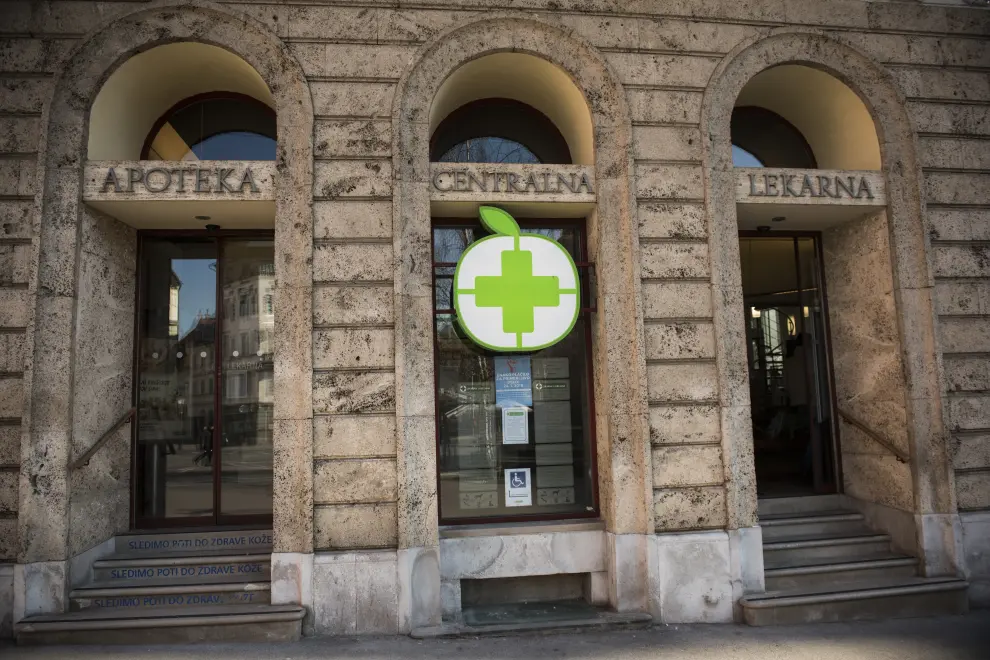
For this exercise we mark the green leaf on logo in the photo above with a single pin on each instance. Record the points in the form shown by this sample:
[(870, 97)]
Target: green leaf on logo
[(498, 221)]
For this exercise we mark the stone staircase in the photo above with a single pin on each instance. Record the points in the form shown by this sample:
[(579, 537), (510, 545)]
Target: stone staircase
[(173, 588), (823, 563)]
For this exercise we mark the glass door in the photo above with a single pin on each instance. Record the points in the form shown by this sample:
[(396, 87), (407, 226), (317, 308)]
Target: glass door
[(789, 375), (203, 441)]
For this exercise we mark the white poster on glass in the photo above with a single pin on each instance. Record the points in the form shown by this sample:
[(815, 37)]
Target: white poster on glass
[(515, 426)]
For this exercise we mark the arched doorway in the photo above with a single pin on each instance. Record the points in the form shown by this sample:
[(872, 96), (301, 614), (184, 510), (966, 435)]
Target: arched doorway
[(203, 354), (106, 100), (895, 475), (580, 98)]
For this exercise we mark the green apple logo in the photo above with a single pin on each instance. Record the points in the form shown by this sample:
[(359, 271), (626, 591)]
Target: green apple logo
[(515, 291)]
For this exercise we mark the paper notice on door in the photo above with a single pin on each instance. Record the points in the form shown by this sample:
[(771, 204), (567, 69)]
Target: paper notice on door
[(515, 426), (518, 487)]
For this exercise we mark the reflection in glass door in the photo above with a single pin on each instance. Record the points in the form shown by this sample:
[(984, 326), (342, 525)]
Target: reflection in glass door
[(789, 375), (203, 441)]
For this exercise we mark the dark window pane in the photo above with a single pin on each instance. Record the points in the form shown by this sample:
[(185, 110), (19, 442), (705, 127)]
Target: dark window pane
[(498, 131), (550, 421), (769, 139), (230, 127), (489, 150)]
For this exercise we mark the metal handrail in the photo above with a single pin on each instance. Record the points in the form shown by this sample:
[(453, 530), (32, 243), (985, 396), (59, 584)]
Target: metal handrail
[(875, 436), (88, 454)]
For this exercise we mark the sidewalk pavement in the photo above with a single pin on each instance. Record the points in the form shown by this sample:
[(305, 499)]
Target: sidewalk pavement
[(942, 638)]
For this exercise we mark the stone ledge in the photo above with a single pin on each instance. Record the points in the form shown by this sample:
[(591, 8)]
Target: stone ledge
[(604, 621)]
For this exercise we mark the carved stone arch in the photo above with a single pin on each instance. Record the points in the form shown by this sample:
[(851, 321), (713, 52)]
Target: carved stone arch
[(933, 492), (619, 356), (47, 441)]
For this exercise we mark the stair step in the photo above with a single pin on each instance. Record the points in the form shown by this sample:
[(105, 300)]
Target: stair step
[(126, 598), (229, 541), (838, 523), (879, 599), (768, 506), (837, 548), (823, 574), (182, 569), (168, 625)]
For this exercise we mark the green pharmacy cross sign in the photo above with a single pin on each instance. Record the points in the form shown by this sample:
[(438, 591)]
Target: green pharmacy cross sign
[(515, 291)]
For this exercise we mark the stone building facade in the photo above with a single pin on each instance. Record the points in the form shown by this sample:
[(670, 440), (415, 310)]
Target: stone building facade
[(892, 100)]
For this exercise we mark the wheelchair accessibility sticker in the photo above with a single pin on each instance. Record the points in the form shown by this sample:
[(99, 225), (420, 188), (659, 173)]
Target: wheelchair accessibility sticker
[(518, 487)]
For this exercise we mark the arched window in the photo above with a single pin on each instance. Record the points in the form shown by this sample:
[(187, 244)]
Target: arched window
[(498, 131), (213, 127), (761, 138)]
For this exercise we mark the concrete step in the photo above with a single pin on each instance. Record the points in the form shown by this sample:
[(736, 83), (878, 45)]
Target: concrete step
[(819, 575), (770, 506), (129, 598), (122, 571), (789, 526), (885, 599), (227, 541), (237, 623), (795, 552)]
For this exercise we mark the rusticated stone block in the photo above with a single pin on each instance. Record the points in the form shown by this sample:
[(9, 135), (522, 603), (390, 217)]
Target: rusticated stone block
[(352, 99), (351, 436), (967, 373), (25, 95), (12, 353), (684, 424), (949, 224), (11, 397), (352, 178), (962, 260), (689, 508), (674, 260), (8, 539), (679, 341), (8, 491), (682, 381), (969, 412), (656, 69), (368, 60), (948, 118), (354, 481), (671, 220), (339, 348), (971, 451), (353, 391), (347, 526), (362, 138), (943, 84), (660, 106), (349, 219), (352, 305), (667, 143), (677, 300), (973, 490), (964, 335), (699, 465), (352, 262), (669, 182)]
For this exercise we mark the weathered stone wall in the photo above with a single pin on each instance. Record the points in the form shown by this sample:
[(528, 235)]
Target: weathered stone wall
[(99, 493), (664, 55), (866, 359)]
